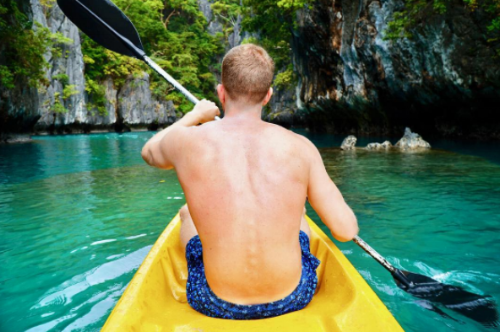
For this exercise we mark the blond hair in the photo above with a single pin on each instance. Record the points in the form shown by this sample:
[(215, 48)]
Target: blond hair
[(247, 72)]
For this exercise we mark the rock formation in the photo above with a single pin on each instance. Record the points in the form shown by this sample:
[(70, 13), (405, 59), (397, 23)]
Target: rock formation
[(349, 143), (412, 141), (379, 146), (68, 65), (351, 77), (48, 109), (137, 109), (444, 79)]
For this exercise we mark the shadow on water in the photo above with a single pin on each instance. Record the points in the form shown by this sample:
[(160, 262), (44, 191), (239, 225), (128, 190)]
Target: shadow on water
[(480, 308)]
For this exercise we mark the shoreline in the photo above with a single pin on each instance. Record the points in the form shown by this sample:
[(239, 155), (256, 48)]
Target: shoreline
[(18, 138)]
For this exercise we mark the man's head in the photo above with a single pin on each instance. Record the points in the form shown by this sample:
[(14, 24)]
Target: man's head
[(247, 74)]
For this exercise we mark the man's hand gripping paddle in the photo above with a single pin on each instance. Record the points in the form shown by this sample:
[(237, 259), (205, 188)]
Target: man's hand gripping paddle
[(106, 24)]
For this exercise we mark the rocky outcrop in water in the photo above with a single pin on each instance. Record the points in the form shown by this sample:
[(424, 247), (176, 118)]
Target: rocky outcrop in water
[(379, 146), (411, 141), (349, 143), (445, 79)]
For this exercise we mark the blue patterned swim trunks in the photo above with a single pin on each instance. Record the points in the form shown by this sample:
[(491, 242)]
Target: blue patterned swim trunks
[(202, 299)]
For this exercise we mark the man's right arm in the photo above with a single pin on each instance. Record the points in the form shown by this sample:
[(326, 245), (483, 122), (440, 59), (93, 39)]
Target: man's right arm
[(161, 150), (327, 201)]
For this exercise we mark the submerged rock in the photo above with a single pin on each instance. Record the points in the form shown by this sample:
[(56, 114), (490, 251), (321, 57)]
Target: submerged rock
[(411, 141), (349, 143)]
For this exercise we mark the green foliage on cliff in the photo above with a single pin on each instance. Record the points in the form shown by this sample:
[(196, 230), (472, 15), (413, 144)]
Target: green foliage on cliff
[(23, 44), (98, 96), (273, 21), (174, 35), (227, 12), (417, 11), (68, 91), (285, 79)]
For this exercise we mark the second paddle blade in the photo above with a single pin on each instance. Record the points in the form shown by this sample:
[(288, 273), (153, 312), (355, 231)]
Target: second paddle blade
[(96, 17), (477, 307)]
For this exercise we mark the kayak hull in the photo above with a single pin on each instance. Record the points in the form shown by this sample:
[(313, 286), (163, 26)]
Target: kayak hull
[(155, 299)]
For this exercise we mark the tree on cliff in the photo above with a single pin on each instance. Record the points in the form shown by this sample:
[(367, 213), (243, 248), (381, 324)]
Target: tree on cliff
[(174, 34), (23, 44)]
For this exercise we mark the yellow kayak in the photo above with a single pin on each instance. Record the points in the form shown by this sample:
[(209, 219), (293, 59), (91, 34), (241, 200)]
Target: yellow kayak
[(155, 299)]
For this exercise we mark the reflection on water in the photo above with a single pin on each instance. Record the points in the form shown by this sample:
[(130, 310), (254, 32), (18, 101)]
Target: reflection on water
[(79, 213)]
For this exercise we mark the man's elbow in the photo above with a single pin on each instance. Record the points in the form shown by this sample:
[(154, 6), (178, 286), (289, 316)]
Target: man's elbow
[(146, 155), (347, 235), (349, 231)]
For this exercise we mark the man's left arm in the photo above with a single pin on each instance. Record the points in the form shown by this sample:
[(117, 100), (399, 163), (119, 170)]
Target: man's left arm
[(161, 150)]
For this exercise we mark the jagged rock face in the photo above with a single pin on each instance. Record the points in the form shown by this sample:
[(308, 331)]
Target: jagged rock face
[(215, 26), (108, 119), (18, 109), (379, 146), (24, 109), (136, 107), (443, 77), (69, 63), (282, 108), (349, 143), (18, 106), (411, 141)]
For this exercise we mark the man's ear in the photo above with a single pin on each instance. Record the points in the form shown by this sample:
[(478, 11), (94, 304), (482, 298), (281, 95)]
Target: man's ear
[(221, 92), (268, 96)]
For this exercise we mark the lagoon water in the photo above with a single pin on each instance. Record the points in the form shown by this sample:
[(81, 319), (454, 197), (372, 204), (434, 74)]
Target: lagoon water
[(78, 214)]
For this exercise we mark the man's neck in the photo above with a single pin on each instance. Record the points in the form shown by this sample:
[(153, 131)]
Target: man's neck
[(242, 111)]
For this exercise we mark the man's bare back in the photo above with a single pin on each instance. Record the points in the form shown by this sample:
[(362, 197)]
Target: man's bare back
[(246, 185), (246, 182)]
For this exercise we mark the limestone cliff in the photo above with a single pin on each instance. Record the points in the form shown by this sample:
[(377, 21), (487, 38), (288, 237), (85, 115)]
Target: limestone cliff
[(50, 109), (444, 80)]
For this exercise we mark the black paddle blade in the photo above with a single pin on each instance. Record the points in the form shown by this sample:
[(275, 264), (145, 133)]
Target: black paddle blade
[(106, 24), (477, 307)]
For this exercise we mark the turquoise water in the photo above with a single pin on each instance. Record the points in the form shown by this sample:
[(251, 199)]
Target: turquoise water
[(79, 213)]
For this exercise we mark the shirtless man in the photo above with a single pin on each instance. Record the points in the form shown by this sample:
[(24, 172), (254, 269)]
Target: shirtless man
[(245, 183)]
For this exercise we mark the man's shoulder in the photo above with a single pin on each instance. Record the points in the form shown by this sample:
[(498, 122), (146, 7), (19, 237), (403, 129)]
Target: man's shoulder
[(291, 142), (297, 139)]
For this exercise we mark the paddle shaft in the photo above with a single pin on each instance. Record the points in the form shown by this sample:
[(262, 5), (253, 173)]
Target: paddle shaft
[(396, 273), (140, 54), (360, 242), (170, 79)]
